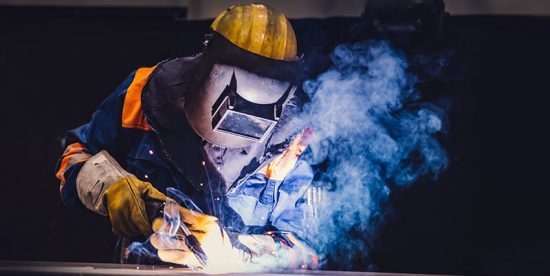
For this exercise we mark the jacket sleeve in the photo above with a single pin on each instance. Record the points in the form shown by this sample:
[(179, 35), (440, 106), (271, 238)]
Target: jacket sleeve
[(291, 209), (275, 195), (289, 220), (101, 133)]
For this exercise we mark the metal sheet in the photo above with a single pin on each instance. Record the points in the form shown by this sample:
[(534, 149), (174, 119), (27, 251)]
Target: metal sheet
[(66, 268)]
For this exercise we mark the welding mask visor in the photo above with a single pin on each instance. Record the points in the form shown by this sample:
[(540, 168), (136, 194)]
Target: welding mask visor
[(242, 95), (249, 110)]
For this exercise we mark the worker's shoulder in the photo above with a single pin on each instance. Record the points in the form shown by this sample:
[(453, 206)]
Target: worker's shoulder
[(154, 81), (174, 71), (132, 110)]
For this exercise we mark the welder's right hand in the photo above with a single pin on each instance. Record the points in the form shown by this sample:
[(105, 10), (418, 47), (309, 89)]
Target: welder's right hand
[(169, 239), (125, 204), (104, 187)]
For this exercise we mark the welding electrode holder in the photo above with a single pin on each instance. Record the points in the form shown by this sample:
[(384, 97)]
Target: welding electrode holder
[(155, 209)]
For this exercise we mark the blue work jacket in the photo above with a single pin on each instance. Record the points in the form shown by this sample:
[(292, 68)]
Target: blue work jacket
[(119, 126)]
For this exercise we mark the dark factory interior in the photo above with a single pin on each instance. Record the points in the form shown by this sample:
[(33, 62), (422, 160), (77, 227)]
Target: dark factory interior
[(484, 213)]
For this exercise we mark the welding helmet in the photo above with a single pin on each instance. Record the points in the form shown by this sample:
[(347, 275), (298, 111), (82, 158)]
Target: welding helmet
[(248, 73)]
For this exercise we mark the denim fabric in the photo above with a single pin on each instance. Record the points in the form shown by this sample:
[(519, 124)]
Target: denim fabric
[(258, 201), (261, 201)]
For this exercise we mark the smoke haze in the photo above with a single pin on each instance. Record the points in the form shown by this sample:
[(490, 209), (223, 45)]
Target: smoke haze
[(372, 134)]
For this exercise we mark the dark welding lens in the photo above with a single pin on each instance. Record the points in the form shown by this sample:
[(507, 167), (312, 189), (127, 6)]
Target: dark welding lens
[(245, 125)]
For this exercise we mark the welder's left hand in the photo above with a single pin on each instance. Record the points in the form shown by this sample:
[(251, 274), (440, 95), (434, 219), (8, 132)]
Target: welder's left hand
[(279, 250), (212, 237)]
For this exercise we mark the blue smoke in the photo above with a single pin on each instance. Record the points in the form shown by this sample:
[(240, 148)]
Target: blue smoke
[(372, 134)]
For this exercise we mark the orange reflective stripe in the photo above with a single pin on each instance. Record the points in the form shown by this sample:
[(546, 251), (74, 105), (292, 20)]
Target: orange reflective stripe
[(75, 146), (72, 151), (132, 111), (69, 161), (279, 167), (74, 154)]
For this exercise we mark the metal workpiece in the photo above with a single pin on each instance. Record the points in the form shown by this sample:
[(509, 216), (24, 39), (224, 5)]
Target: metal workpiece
[(67, 268)]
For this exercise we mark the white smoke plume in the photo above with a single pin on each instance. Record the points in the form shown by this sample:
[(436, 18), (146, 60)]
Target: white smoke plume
[(373, 133)]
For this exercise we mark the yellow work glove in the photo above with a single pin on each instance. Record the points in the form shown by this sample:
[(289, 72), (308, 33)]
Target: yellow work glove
[(214, 241), (125, 204)]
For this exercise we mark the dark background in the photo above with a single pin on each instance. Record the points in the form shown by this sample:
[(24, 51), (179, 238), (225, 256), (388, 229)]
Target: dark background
[(486, 214)]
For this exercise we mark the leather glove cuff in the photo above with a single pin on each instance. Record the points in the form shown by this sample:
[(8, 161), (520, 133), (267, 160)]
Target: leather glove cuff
[(96, 176)]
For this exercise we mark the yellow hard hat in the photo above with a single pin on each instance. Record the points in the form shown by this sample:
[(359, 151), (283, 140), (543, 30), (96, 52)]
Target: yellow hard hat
[(258, 29)]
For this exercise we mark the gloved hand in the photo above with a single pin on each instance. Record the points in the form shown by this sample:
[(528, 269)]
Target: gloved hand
[(104, 187), (170, 242), (279, 250), (124, 201)]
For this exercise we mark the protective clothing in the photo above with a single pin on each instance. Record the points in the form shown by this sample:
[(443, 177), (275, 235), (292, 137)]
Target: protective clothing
[(151, 126), (244, 82), (257, 29), (99, 173), (155, 143), (280, 167), (169, 240), (107, 189), (280, 249), (125, 202)]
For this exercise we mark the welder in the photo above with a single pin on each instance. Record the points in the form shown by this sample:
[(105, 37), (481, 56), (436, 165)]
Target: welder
[(220, 127)]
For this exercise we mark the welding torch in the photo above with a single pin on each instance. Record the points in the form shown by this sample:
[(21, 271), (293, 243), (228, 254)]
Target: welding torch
[(155, 209), (194, 245)]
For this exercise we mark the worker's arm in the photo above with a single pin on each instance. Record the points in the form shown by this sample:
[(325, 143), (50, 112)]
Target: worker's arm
[(282, 205), (281, 248), (89, 171), (286, 247), (273, 197), (101, 133)]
